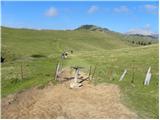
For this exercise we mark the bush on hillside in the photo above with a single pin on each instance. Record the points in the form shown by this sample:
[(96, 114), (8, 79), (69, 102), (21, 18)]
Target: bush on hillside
[(37, 56), (7, 54)]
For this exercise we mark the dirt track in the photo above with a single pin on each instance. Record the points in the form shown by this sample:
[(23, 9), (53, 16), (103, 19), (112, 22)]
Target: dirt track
[(101, 101)]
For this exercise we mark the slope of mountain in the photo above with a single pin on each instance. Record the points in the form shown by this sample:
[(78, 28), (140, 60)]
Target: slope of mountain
[(27, 42)]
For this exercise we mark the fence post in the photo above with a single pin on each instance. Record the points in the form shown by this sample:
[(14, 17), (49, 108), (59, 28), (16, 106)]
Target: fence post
[(90, 70), (148, 77), (133, 72), (123, 75), (61, 64), (111, 74), (94, 72), (22, 72), (57, 70)]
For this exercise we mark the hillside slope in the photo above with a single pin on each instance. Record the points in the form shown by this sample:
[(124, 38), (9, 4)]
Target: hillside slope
[(27, 42), (110, 64), (110, 52)]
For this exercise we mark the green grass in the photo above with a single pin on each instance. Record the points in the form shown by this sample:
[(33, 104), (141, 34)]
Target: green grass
[(38, 52), (141, 99), (35, 72)]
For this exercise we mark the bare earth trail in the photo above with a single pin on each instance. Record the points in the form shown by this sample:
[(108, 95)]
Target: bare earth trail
[(59, 101)]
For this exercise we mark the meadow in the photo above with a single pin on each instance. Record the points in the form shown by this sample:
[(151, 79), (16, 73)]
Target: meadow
[(35, 54)]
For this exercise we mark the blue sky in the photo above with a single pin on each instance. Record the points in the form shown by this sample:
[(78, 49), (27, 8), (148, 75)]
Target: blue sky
[(117, 16)]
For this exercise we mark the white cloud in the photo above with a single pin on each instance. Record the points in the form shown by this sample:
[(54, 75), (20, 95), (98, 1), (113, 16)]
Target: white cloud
[(140, 31), (51, 12), (93, 9), (151, 8), (121, 9), (143, 31)]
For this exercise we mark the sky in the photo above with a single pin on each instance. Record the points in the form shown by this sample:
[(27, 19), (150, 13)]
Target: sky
[(119, 16)]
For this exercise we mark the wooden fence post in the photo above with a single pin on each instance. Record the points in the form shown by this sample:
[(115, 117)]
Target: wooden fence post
[(133, 72), (57, 70), (94, 72), (111, 74), (90, 70), (22, 72), (61, 64)]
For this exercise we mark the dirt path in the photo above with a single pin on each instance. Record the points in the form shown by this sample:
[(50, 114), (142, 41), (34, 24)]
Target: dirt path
[(101, 101)]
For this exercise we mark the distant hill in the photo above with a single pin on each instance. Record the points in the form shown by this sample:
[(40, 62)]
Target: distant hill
[(92, 28), (141, 39), (133, 38), (153, 36)]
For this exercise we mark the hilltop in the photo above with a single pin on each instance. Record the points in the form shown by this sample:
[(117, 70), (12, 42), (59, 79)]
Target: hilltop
[(92, 28)]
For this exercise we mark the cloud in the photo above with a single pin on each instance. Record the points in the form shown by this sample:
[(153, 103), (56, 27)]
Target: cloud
[(143, 31), (51, 12), (150, 7), (121, 9), (93, 9), (153, 9)]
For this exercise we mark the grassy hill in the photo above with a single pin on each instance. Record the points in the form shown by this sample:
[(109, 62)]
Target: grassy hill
[(135, 39), (27, 42), (48, 42), (36, 53)]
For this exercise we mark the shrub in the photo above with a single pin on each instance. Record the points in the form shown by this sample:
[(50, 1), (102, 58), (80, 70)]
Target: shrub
[(37, 56), (7, 54), (149, 43)]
